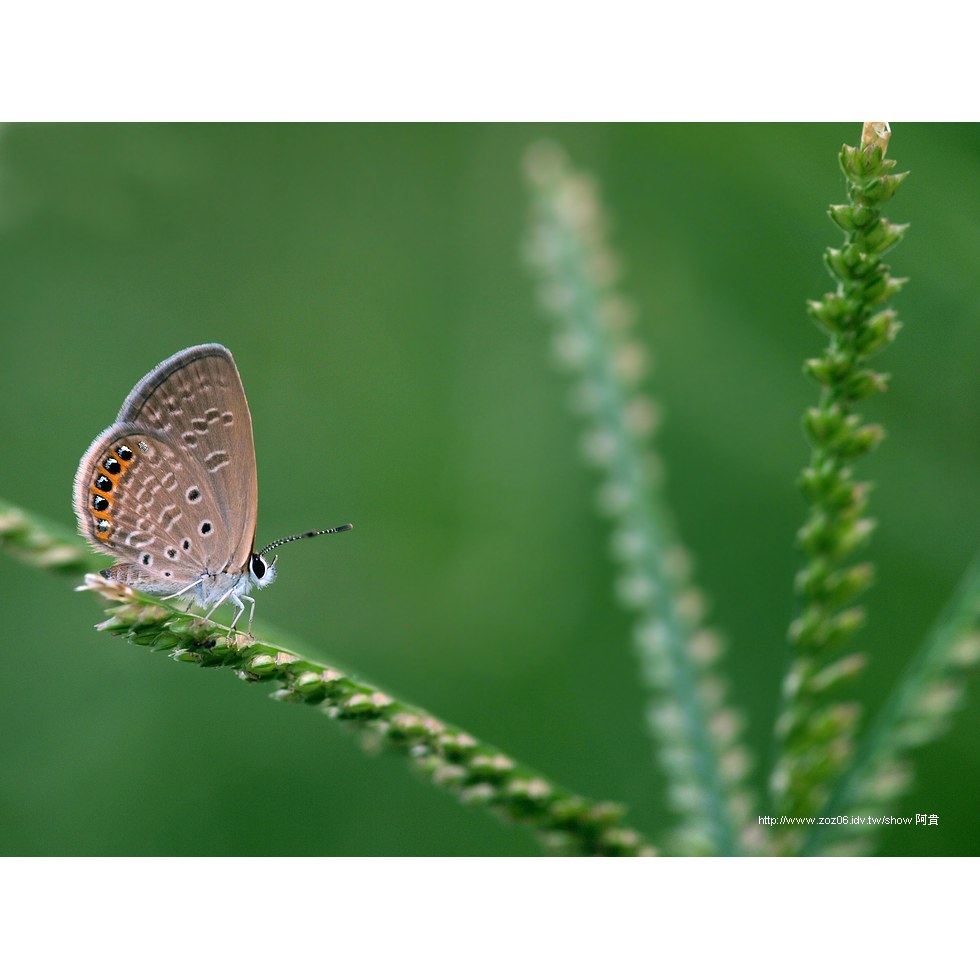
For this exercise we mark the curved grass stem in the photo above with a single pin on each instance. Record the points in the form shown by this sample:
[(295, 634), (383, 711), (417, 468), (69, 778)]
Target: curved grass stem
[(445, 755)]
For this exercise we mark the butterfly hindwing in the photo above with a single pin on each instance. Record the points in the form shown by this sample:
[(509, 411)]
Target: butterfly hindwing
[(139, 501)]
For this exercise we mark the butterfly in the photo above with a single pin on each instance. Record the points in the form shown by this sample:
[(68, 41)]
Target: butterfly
[(170, 489)]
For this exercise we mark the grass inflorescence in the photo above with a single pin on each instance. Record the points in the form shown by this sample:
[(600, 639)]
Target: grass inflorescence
[(817, 725)]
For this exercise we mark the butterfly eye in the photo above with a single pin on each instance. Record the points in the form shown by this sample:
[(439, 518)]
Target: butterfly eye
[(258, 566)]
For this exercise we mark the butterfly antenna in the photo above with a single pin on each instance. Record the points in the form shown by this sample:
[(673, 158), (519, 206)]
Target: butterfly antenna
[(307, 534)]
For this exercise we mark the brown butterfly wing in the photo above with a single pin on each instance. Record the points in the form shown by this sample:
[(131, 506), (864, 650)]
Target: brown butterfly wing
[(150, 508), (170, 489)]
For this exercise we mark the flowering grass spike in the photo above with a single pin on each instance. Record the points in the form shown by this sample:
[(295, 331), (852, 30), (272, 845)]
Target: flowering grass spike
[(815, 728), (698, 735)]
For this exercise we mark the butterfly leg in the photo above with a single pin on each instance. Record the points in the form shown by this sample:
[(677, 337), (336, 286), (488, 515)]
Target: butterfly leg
[(186, 588), (251, 612), (237, 600), (228, 595)]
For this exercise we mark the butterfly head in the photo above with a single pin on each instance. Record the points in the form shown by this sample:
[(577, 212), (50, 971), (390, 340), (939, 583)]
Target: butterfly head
[(260, 571)]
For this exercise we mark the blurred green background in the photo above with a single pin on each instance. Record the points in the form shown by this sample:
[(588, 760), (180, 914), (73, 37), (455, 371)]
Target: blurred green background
[(368, 279)]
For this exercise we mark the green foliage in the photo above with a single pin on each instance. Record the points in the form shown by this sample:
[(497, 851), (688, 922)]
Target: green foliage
[(365, 277), (816, 729)]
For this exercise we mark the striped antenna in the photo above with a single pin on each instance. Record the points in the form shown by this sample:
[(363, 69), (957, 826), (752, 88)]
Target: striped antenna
[(307, 534)]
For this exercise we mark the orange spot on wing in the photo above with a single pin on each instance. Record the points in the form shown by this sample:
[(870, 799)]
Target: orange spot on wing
[(112, 467)]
